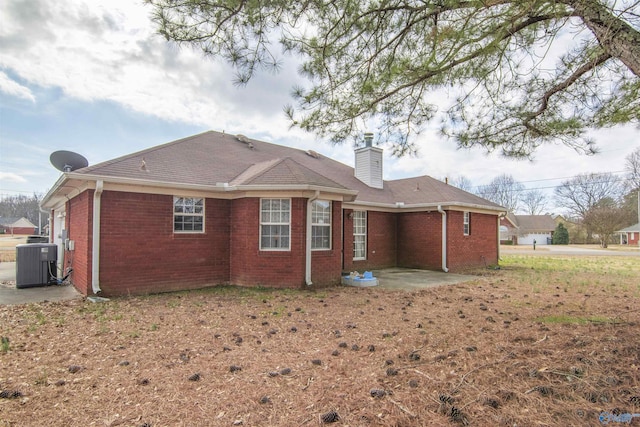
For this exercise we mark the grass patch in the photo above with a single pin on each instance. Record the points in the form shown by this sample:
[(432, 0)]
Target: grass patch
[(5, 345)]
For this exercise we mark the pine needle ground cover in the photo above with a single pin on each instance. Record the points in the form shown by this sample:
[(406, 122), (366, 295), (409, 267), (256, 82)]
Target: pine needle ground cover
[(543, 341)]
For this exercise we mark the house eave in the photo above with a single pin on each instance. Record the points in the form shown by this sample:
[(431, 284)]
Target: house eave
[(79, 182), (421, 207)]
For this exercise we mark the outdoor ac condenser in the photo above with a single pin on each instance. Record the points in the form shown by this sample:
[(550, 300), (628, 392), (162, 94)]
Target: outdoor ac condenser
[(36, 264)]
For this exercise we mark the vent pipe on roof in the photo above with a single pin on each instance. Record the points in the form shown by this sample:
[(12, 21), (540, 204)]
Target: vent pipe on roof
[(368, 139)]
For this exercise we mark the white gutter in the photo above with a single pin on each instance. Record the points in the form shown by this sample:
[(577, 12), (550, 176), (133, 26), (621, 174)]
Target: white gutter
[(218, 187), (95, 253), (307, 269), (444, 239), (419, 207)]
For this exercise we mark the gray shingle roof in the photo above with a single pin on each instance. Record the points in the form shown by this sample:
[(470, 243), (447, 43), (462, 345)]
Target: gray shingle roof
[(212, 157), (630, 229), (534, 223)]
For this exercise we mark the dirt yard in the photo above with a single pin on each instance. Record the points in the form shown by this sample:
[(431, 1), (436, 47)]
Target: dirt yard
[(542, 342)]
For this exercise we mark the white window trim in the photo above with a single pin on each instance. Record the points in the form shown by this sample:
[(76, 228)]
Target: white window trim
[(363, 258), (329, 226), (280, 249), (466, 223), (202, 214)]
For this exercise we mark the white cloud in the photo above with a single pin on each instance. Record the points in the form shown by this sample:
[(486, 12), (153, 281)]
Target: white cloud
[(11, 177), (13, 88), (107, 50)]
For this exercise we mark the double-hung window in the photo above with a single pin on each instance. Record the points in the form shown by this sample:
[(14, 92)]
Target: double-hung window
[(321, 224), (275, 224), (359, 235), (188, 215), (466, 224)]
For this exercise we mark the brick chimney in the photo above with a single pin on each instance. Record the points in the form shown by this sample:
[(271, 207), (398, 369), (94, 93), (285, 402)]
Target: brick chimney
[(369, 163)]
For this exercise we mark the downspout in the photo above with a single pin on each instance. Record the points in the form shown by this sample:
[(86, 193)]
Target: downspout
[(95, 258), (499, 218), (307, 269), (444, 239)]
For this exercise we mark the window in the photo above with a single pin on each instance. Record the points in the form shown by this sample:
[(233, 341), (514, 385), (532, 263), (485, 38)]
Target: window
[(466, 224), (359, 235), (275, 220), (321, 224), (188, 215)]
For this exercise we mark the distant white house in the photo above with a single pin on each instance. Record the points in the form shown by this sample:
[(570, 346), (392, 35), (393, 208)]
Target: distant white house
[(525, 229)]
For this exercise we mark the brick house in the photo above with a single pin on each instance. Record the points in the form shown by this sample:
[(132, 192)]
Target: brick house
[(630, 235), (20, 226), (216, 208)]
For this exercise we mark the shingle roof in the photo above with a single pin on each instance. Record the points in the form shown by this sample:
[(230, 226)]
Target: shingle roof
[(213, 157), (15, 222), (534, 223), (630, 229)]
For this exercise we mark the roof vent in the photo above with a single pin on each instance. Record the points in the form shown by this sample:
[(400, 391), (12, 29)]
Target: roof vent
[(313, 154), (368, 139), (242, 138), (143, 165)]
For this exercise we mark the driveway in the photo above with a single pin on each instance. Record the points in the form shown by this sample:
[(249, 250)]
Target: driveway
[(10, 295)]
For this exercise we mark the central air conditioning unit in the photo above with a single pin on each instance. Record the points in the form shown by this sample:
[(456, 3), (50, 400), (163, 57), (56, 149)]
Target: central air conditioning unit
[(36, 265)]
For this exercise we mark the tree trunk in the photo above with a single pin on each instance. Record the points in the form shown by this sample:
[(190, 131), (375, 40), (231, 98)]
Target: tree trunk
[(616, 37)]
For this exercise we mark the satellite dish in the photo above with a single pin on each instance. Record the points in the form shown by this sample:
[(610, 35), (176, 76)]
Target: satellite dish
[(67, 161)]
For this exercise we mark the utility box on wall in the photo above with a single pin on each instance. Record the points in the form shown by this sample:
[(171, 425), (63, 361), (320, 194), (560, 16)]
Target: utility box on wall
[(36, 264)]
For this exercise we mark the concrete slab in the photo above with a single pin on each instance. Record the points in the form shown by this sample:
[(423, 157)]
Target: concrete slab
[(412, 279), (10, 295)]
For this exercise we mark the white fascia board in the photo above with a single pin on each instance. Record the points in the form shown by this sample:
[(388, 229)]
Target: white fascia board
[(226, 191), (421, 207)]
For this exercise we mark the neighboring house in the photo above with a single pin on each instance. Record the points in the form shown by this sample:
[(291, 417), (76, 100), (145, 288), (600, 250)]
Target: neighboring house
[(216, 209), (17, 226), (630, 235), (524, 229)]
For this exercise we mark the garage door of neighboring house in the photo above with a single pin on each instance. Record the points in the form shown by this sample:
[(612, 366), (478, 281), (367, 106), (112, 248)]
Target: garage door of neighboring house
[(540, 238)]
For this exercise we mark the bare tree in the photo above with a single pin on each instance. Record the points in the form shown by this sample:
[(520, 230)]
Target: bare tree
[(604, 219), (21, 206), (503, 190), (632, 166), (463, 183), (534, 202), (585, 191)]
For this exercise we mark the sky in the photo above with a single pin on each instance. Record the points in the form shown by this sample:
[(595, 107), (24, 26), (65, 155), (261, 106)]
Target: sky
[(93, 77)]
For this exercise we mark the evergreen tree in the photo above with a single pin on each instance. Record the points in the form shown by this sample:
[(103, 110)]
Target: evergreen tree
[(561, 235), (513, 78)]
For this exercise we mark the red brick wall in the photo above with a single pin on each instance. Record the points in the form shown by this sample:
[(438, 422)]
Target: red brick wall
[(478, 248), (140, 253), (326, 266), (250, 266), (347, 240), (632, 238), (420, 240), (382, 231), (19, 230), (78, 223)]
